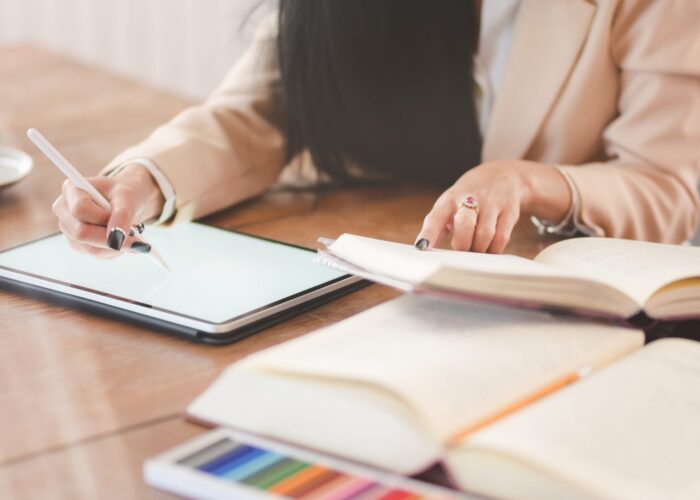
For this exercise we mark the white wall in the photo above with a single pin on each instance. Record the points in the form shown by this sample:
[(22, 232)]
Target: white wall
[(184, 46)]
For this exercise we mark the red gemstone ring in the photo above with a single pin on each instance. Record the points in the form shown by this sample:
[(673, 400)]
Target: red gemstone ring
[(470, 203)]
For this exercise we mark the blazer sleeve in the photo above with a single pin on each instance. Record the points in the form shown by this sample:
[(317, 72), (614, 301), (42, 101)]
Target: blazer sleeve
[(647, 190), (229, 148)]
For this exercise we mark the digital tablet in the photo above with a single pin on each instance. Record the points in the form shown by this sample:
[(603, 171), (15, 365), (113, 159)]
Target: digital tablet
[(223, 285)]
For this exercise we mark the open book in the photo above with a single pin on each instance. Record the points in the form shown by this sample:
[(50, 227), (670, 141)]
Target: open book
[(492, 393), (599, 276)]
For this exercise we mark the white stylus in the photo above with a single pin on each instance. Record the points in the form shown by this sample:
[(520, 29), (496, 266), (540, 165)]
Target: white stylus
[(77, 178)]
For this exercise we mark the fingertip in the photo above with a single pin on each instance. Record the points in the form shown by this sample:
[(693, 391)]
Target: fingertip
[(483, 236), (140, 247), (115, 238), (499, 243), (422, 244), (504, 231), (435, 224), (429, 235), (119, 224)]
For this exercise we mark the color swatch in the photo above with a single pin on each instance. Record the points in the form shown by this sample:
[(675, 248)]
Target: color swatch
[(278, 475)]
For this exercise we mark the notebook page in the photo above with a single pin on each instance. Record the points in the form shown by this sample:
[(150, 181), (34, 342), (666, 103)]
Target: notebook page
[(635, 267), (631, 431), (453, 363)]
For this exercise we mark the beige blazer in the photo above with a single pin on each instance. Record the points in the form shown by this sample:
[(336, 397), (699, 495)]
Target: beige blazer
[(609, 89)]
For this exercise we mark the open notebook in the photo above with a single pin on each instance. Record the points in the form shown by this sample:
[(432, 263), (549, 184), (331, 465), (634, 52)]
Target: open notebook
[(600, 276), (492, 393)]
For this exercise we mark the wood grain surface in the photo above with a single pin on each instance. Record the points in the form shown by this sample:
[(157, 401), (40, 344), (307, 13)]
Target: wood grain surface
[(85, 399)]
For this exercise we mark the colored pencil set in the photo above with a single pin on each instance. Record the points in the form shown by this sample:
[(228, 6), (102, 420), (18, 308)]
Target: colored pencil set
[(259, 471)]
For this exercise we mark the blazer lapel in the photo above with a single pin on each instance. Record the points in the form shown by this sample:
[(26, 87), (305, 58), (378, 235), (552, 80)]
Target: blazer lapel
[(548, 38)]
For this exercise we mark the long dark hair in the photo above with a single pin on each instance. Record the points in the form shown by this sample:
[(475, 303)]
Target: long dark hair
[(385, 84)]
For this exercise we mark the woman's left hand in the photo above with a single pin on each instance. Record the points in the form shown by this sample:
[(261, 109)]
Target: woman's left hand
[(503, 190)]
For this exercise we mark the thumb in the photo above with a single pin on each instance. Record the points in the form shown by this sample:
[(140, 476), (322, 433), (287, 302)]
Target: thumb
[(120, 221)]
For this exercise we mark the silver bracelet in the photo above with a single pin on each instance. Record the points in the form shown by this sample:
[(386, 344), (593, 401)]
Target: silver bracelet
[(566, 227)]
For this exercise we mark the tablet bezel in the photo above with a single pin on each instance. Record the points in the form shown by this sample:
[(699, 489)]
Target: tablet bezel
[(172, 320)]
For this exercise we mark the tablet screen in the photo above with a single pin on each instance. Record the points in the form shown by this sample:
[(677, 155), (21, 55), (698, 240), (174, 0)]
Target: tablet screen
[(216, 275)]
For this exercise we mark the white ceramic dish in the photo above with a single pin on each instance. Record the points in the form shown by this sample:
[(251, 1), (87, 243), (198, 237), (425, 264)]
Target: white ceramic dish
[(15, 165)]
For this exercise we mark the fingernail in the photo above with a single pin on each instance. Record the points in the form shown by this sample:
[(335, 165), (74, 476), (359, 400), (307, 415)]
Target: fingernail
[(422, 244), (116, 238), (138, 228), (140, 247)]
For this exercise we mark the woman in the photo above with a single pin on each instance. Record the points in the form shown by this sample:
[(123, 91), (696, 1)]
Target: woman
[(584, 114)]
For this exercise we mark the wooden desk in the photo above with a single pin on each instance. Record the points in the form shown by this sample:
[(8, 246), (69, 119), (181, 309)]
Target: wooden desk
[(84, 399)]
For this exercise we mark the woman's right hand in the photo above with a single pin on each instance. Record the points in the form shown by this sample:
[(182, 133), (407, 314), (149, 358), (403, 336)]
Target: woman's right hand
[(134, 197)]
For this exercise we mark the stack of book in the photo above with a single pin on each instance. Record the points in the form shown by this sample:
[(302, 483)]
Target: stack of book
[(514, 402)]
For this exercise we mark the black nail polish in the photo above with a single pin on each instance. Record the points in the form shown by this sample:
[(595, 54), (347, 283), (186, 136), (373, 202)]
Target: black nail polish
[(422, 244), (140, 247), (116, 239), (138, 228)]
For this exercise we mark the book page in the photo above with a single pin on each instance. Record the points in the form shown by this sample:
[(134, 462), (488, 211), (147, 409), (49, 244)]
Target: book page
[(505, 279), (407, 263), (635, 267), (630, 431), (452, 363), (321, 414)]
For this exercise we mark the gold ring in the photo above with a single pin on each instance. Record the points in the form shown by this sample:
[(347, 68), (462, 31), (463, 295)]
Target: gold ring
[(470, 203)]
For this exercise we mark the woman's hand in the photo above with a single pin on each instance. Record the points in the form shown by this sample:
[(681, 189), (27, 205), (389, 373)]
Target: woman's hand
[(134, 197), (504, 189)]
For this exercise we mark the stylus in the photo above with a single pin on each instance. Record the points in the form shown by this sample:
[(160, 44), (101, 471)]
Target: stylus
[(77, 178), (69, 170)]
